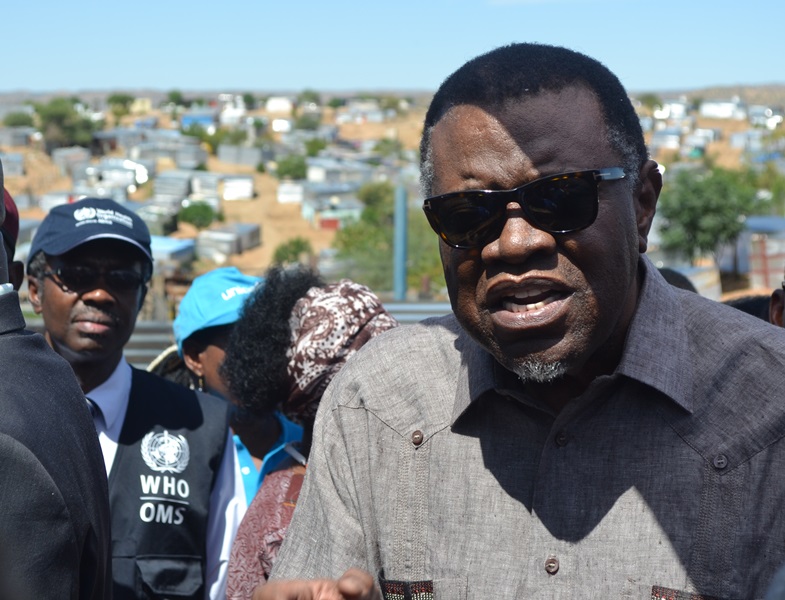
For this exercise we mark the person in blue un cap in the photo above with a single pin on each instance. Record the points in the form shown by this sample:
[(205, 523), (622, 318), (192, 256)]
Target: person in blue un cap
[(205, 319)]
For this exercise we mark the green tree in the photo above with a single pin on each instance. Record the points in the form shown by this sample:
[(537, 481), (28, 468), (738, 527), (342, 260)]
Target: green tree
[(213, 140), (295, 250), (197, 131), (771, 181), (62, 125), (198, 214), (388, 147), (650, 101), (234, 137), (292, 167), (365, 248), (18, 119), (308, 122), (176, 97), (391, 103), (120, 104), (704, 209), (309, 96), (314, 146), (250, 101), (336, 102), (378, 198)]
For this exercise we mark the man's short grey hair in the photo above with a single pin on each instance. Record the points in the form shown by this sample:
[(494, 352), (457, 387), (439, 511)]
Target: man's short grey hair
[(520, 71), (37, 265)]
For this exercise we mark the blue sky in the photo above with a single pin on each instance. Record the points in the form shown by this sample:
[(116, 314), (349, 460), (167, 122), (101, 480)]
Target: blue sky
[(51, 45)]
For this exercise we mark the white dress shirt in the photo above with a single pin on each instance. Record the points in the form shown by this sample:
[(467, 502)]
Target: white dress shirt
[(227, 500)]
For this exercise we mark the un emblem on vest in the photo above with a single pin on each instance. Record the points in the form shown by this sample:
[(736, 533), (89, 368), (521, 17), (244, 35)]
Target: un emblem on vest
[(165, 453)]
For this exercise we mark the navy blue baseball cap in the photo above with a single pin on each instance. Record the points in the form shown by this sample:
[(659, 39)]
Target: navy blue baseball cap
[(70, 225)]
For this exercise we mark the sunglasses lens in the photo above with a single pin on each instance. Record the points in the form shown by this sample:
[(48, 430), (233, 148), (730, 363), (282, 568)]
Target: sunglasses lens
[(568, 203), (466, 220), (558, 204), (78, 278), (123, 280), (83, 278)]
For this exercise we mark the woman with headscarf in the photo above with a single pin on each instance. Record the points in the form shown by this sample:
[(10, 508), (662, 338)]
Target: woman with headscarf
[(294, 335)]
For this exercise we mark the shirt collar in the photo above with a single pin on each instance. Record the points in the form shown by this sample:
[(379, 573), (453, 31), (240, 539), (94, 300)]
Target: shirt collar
[(112, 395), (477, 374), (656, 350)]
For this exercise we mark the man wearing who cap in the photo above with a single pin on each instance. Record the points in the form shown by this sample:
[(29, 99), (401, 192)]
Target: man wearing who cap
[(578, 428), (175, 493)]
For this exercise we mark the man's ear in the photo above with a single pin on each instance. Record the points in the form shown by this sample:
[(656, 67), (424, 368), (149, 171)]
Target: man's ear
[(142, 296), (776, 304), (650, 185), (34, 294)]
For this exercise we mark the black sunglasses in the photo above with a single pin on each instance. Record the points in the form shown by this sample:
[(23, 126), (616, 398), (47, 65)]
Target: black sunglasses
[(562, 203), (79, 278)]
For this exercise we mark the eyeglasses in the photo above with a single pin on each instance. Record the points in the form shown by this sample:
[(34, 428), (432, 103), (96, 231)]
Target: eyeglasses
[(79, 278), (562, 203)]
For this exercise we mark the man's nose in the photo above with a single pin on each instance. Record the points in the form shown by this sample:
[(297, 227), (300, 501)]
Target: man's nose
[(519, 239), (100, 291)]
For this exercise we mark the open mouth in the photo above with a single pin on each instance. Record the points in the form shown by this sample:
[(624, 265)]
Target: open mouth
[(531, 299)]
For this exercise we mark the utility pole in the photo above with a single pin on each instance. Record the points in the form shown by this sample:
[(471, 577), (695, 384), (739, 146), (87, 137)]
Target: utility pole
[(400, 238)]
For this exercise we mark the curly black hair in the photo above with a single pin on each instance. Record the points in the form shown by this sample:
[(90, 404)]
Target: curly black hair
[(255, 365)]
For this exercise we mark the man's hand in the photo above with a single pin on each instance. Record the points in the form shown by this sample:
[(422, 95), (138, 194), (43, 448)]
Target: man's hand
[(353, 585)]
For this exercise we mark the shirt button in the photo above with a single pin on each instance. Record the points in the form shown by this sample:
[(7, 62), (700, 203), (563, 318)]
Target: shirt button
[(561, 439), (720, 461), (417, 438), (552, 565)]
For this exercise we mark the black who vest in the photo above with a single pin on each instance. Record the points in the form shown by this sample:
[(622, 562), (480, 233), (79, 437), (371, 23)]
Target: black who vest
[(171, 445)]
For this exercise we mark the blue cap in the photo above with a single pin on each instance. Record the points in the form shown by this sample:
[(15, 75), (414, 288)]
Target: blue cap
[(215, 298), (70, 225)]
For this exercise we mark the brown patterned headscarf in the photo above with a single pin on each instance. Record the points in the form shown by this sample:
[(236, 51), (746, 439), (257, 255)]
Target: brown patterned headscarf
[(329, 324)]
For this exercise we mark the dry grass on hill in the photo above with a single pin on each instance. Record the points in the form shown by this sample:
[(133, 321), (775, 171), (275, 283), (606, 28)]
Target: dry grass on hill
[(406, 129), (279, 222)]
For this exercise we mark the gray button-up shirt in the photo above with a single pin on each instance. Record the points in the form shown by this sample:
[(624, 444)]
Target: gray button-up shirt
[(430, 464)]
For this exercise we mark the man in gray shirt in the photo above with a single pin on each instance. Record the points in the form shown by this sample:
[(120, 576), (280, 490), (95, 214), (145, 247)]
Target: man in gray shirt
[(579, 428)]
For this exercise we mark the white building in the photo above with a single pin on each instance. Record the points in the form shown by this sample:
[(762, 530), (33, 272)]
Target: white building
[(723, 109), (279, 105)]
